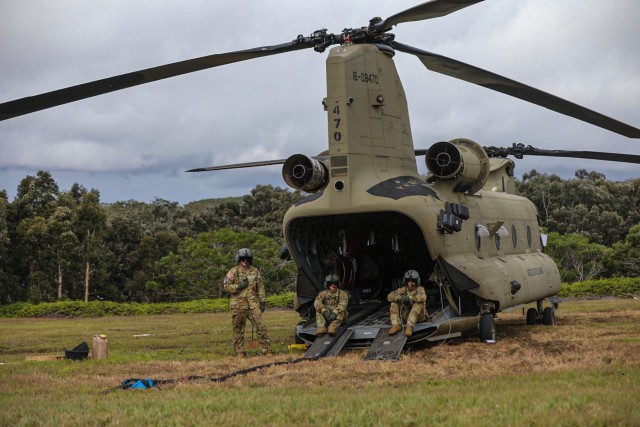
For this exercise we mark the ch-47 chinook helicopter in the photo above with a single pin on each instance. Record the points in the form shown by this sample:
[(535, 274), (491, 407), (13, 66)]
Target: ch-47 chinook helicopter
[(369, 215)]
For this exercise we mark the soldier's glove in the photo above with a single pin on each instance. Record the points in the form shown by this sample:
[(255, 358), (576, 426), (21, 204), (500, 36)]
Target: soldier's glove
[(262, 306), (244, 284), (327, 315), (332, 317), (404, 299)]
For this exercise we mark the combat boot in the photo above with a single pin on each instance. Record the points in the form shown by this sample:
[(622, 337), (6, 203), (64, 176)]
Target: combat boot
[(408, 330), (321, 330), (394, 329), (332, 328)]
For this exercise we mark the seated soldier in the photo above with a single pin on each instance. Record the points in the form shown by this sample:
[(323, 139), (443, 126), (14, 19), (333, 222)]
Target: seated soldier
[(331, 306), (408, 302)]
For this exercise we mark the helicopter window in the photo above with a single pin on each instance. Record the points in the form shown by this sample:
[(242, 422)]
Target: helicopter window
[(529, 235), (514, 237), (502, 232), (481, 231)]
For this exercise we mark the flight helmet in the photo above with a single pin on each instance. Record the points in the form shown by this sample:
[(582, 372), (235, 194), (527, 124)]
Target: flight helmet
[(331, 278), (412, 275), (244, 253)]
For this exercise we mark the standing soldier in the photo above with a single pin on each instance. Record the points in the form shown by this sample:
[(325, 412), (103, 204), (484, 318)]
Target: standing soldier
[(408, 302), (246, 287), (331, 306)]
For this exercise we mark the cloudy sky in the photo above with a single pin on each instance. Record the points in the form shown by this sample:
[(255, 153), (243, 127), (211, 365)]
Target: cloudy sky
[(137, 143)]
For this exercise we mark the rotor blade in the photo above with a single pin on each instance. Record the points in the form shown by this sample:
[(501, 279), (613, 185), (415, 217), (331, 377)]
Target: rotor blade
[(460, 70), (521, 151), (43, 101), (239, 165), (428, 10), (595, 155)]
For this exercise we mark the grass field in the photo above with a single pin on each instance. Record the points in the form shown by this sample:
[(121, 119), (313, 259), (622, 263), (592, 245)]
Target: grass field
[(583, 371)]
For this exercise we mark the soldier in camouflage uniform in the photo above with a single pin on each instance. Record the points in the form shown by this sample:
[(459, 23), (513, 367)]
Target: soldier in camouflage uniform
[(246, 287), (409, 303), (331, 306)]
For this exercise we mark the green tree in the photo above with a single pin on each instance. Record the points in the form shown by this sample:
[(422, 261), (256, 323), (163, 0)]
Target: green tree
[(29, 261), (4, 229), (90, 228), (36, 196), (545, 191), (64, 245), (577, 259), (36, 261), (588, 204), (142, 285), (223, 215), (124, 236), (264, 208), (625, 257), (7, 279), (198, 267)]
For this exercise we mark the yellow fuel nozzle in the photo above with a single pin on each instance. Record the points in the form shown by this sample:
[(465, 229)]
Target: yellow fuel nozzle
[(297, 347)]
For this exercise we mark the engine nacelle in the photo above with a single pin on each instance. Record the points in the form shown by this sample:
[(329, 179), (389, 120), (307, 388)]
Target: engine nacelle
[(305, 173), (461, 159)]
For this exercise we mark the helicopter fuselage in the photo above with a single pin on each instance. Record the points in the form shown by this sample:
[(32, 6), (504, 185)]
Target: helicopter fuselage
[(370, 215)]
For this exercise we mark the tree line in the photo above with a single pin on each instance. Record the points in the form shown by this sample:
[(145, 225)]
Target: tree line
[(68, 245), (593, 223)]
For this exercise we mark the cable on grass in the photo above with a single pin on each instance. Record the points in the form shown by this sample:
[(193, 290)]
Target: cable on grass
[(150, 383), (147, 383)]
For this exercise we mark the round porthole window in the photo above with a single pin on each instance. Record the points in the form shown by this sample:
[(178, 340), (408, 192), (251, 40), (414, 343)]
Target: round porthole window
[(481, 231)]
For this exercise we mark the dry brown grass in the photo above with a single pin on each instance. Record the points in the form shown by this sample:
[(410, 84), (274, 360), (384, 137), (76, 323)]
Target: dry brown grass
[(579, 340)]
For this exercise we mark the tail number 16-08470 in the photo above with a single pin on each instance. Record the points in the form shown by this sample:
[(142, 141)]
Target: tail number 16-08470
[(365, 77)]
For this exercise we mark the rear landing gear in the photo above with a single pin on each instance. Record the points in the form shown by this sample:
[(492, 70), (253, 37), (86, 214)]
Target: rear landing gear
[(487, 328), (546, 317)]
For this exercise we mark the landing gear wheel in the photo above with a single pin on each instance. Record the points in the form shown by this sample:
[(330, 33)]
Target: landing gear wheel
[(548, 317), (532, 316), (487, 328)]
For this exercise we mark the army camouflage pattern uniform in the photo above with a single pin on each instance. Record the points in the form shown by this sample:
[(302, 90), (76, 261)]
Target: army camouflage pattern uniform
[(335, 303), (245, 304), (415, 313)]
